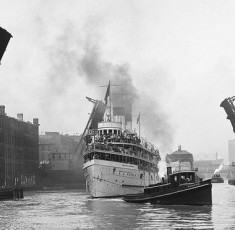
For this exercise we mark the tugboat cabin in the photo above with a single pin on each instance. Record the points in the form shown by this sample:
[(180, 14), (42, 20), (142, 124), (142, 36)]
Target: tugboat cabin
[(182, 177), (176, 180)]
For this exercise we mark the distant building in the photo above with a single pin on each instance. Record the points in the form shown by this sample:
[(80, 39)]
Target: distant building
[(58, 160), (208, 166), (57, 150), (19, 153), (231, 151), (180, 160)]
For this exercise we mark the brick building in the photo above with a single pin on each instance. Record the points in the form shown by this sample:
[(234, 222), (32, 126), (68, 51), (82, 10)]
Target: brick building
[(19, 150)]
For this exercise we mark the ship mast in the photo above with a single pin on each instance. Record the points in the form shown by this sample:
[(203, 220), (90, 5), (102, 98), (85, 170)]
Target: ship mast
[(138, 122), (110, 102), (108, 99)]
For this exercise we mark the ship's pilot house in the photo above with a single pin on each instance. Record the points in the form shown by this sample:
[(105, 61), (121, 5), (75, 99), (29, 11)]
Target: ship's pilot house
[(180, 177)]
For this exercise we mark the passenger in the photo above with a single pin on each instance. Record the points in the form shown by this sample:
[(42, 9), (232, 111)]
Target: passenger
[(182, 180)]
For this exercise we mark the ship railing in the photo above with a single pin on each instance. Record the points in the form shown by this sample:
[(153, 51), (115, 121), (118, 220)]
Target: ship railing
[(119, 149), (124, 138), (129, 141), (145, 166), (137, 156)]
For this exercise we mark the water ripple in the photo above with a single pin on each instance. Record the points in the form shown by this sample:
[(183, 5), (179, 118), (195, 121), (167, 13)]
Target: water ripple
[(76, 210)]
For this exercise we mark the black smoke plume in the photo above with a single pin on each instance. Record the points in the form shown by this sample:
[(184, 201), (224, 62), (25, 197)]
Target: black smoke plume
[(83, 58)]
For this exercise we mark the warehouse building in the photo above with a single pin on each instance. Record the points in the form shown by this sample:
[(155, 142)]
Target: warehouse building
[(19, 151)]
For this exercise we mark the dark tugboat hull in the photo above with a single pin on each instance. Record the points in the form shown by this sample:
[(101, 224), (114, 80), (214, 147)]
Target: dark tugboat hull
[(192, 195), (197, 196)]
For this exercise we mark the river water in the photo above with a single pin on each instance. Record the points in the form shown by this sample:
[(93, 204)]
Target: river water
[(74, 209)]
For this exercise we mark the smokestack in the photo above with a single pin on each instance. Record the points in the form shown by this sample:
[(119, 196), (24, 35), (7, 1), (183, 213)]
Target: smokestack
[(35, 121), (2, 110), (169, 171), (179, 148), (20, 116)]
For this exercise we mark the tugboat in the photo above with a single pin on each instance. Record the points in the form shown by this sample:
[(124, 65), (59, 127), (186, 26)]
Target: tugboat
[(179, 189), (217, 178)]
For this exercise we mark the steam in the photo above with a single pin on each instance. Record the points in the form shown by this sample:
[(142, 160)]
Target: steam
[(219, 169), (162, 168)]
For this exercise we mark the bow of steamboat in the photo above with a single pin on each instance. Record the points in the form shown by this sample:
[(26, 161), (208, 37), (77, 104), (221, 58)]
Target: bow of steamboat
[(118, 162)]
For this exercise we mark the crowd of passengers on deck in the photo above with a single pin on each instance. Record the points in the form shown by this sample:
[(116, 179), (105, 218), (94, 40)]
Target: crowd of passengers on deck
[(102, 140), (110, 137), (120, 149)]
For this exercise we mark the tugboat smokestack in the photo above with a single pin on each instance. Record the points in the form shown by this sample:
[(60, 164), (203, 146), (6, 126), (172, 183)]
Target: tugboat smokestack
[(169, 171)]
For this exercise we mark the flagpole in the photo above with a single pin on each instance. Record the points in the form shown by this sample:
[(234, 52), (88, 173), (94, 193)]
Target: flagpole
[(110, 101), (139, 126)]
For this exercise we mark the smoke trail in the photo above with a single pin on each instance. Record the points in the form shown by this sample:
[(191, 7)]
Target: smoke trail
[(219, 169), (82, 59), (97, 72), (155, 122)]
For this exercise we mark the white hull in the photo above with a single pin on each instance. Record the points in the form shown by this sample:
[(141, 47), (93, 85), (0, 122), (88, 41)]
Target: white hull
[(113, 179)]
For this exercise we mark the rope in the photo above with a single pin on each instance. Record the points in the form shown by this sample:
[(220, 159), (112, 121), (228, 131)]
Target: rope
[(113, 183)]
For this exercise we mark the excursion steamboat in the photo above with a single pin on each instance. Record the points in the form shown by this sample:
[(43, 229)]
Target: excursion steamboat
[(117, 161)]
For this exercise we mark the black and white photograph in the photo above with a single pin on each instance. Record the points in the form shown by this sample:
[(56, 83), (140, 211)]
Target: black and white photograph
[(117, 114)]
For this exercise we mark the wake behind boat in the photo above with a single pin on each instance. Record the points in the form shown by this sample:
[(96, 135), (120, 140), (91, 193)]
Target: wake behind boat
[(180, 189), (116, 160)]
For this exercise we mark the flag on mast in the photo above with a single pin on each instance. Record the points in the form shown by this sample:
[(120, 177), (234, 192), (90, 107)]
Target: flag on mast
[(138, 119), (107, 94)]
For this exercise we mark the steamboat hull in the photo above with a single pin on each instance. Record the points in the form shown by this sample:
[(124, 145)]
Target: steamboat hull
[(183, 195), (110, 179)]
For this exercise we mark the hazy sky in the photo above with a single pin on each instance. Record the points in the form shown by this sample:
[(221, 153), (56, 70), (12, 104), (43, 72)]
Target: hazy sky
[(179, 54)]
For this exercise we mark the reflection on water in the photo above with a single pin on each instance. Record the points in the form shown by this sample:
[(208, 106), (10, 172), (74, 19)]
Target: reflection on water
[(145, 216), (76, 210), (181, 217)]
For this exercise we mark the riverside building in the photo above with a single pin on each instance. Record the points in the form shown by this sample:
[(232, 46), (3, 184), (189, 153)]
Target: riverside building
[(60, 164), (19, 151)]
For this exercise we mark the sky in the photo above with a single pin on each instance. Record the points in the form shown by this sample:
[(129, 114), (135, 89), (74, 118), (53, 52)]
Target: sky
[(178, 57)]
